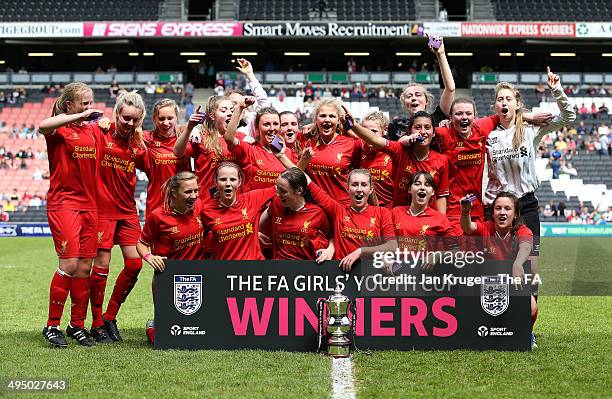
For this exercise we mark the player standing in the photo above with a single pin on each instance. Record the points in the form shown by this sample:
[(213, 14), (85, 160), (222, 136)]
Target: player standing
[(159, 162), (71, 208), (120, 150)]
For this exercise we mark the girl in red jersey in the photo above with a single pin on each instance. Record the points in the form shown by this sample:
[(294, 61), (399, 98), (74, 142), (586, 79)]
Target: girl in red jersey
[(159, 162), (300, 230), (289, 129), (257, 160), (355, 225), (335, 155), (212, 149), (414, 156), (417, 222), (71, 208), (505, 238), (416, 98), (173, 230), (464, 143), (378, 163), (233, 218), (120, 150)]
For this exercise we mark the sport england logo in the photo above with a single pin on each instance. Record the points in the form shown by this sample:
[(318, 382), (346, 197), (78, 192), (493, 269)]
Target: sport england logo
[(187, 293), (175, 330), (494, 295), (482, 331)]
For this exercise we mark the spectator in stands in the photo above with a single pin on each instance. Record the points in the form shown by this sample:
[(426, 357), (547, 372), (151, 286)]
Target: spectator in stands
[(603, 111), (189, 88), (575, 90), (592, 90), (113, 90), (111, 69), (149, 88), (282, 95), (582, 130), (3, 98), (540, 91), (547, 212), (555, 163), (4, 216), (583, 111), (603, 131), (594, 111), (9, 206), (14, 195), (40, 154), (21, 154), (169, 88), (22, 70), (37, 175), (189, 107)]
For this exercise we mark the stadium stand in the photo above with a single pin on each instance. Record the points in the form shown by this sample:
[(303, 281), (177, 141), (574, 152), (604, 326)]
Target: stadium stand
[(358, 10), (76, 10), (552, 10)]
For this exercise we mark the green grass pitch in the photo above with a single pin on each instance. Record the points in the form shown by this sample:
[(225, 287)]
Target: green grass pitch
[(573, 360)]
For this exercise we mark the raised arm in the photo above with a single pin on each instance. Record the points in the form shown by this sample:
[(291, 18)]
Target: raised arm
[(230, 131), (181, 142), (448, 95), (49, 125), (261, 97), (567, 111), (365, 134)]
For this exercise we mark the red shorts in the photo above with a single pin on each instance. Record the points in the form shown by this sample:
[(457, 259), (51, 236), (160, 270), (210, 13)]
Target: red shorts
[(74, 232), (118, 232)]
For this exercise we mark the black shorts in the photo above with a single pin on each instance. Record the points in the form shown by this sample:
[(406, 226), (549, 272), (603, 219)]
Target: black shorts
[(528, 207)]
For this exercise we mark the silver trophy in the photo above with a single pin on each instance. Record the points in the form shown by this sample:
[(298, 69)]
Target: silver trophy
[(338, 324)]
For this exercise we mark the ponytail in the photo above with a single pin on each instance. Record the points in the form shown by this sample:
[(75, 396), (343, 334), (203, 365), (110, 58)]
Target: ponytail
[(171, 186)]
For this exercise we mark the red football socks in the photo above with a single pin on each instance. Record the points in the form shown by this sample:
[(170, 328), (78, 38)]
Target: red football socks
[(79, 295), (125, 282), (97, 286), (58, 293)]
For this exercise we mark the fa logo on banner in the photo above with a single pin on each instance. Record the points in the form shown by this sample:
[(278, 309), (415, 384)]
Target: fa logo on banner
[(494, 295), (187, 293)]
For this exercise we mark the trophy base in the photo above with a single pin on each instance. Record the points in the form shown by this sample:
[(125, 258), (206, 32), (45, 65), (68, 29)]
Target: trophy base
[(339, 351)]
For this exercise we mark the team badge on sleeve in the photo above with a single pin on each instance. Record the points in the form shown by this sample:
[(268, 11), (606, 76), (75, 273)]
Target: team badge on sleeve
[(494, 295), (187, 293)]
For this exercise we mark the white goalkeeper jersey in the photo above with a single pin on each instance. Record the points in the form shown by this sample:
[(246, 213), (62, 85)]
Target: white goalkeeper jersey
[(514, 170)]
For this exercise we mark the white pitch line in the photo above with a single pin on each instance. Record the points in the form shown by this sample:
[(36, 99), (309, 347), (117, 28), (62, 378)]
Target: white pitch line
[(342, 379)]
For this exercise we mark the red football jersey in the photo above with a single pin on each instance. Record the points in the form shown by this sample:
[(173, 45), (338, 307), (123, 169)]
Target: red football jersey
[(407, 164), (298, 234), (498, 247), (72, 152), (160, 164), (412, 230), (353, 229), (117, 176), (331, 164), (206, 163), (261, 166), (380, 166), (175, 236), (466, 166), (235, 228)]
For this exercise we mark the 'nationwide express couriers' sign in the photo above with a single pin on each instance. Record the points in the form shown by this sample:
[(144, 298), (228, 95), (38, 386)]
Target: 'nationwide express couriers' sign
[(329, 29)]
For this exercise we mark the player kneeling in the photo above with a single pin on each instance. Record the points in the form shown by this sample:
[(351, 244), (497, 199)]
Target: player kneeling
[(501, 235), (174, 230)]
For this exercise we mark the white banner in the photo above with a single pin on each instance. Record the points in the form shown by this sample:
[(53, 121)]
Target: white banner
[(445, 29), (594, 29), (40, 29)]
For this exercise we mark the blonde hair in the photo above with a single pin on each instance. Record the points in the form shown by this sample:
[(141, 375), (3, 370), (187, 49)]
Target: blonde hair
[(372, 198), (331, 103), (378, 117), (518, 118), (211, 139), (132, 99), (163, 103), (171, 186), (72, 92), (429, 98)]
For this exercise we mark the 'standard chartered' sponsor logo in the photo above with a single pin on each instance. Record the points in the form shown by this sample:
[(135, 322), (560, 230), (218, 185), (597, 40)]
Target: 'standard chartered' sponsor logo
[(187, 293)]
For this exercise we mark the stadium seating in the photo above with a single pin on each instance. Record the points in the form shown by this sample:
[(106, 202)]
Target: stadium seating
[(552, 10), (76, 10), (357, 10)]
